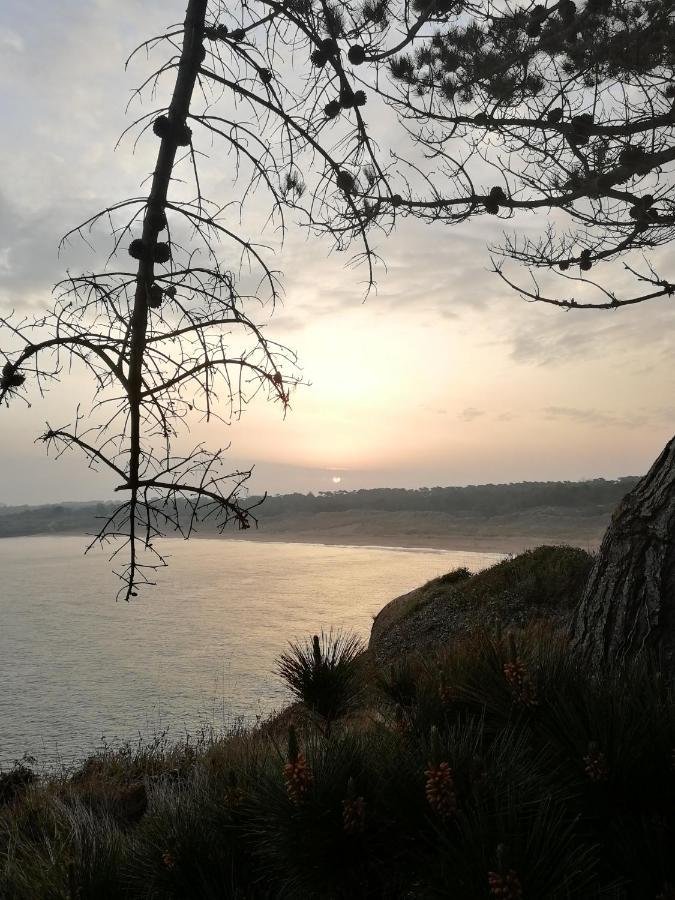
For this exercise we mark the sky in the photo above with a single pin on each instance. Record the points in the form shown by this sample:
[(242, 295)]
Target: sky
[(440, 376)]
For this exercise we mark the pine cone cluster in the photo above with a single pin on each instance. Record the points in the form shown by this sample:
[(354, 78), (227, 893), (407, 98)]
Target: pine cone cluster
[(519, 681), (354, 815), (505, 886), (440, 789), (298, 778), (10, 378)]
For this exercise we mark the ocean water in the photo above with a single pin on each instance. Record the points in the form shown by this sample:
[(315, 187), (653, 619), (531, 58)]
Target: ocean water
[(197, 650)]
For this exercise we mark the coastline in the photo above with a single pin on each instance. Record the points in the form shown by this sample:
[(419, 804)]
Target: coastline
[(499, 545), (502, 545), (493, 525)]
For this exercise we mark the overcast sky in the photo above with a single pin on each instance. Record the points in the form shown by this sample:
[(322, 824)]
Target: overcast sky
[(441, 377)]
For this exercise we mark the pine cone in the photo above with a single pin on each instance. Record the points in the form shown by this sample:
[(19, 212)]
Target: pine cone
[(518, 679), (506, 886), (332, 109), (9, 382), (156, 295), (137, 249), (356, 55), (162, 252), (298, 778), (440, 789), (345, 181)]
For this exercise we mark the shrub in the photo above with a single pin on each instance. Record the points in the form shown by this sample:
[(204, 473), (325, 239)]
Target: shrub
[(53, 851), (512, 770), (15, 782), (323, 674)]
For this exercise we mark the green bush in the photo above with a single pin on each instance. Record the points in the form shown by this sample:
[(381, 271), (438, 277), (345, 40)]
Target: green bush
[(547, 577)]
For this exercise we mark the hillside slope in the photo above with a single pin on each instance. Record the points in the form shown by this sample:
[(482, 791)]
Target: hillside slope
[(545, 583)]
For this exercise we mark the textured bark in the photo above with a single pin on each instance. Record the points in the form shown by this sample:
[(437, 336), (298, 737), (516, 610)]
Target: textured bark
[(629, 602)]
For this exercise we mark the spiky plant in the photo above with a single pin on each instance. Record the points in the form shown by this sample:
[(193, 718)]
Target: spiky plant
[(323, 674)]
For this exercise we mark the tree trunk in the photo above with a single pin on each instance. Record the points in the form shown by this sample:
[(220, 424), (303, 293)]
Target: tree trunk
[(629, 602)]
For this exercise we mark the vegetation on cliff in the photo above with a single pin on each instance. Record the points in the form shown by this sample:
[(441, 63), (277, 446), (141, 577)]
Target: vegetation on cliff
[(541, 584), (497, 764)]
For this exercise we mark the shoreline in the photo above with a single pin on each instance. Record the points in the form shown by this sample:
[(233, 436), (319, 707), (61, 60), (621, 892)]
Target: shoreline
[(421, 543), (503, 545)]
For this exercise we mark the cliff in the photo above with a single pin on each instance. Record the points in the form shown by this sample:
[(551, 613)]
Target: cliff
[(545, 583)]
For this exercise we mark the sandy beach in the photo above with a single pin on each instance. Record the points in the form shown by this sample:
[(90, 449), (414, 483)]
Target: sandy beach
[(512, 534)]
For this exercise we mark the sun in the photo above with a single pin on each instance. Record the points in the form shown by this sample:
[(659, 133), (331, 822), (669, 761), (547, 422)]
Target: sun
[(336, 479)]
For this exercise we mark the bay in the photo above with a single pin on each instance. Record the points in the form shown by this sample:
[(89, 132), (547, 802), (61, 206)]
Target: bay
[(197, 650)]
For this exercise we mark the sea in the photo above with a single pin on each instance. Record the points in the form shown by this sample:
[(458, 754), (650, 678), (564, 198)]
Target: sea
[(80, 670)]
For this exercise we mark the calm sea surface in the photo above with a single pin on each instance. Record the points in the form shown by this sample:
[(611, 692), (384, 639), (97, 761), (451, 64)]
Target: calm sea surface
[(198, 649)]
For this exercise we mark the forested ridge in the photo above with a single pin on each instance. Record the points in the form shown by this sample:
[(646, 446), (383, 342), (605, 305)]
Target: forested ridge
[(486, 500)]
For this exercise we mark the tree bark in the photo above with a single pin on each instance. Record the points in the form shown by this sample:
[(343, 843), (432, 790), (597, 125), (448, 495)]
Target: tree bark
[(628, 605)]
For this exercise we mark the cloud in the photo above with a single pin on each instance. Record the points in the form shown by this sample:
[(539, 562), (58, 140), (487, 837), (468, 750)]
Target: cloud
[(29, 251), (596, 418), (10, 40), (470, 413), (436, 298), (546, 340)]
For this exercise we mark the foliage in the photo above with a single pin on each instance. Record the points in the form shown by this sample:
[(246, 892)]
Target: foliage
[(570, 106), (546, 582), (544, 578), (323, 674), (564, 791), (15, 782)]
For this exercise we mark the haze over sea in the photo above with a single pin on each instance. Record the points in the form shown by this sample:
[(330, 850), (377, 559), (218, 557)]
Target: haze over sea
[(198, 649)]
